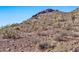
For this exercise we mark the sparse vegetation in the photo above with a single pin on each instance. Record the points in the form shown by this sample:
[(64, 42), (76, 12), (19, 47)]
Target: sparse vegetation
[(48, 30), (10, 34), (44, 46)]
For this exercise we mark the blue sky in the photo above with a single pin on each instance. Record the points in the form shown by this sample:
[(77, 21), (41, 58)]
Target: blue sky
[(17, 14)]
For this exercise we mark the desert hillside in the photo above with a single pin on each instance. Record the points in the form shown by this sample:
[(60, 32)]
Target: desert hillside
[(47, 31)]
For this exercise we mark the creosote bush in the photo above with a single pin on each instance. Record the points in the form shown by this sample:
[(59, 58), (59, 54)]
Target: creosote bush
[(8, 34), (43, 46)]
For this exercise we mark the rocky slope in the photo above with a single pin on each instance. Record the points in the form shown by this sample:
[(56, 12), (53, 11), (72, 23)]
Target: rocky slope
[(47, 31)]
